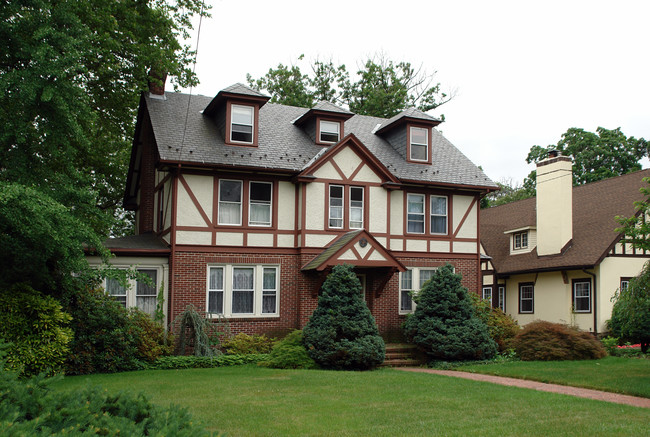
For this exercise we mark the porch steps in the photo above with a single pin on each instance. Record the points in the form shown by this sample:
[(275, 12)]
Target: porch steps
[(402, 355)]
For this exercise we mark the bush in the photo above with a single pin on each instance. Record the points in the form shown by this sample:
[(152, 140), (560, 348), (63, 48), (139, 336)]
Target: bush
[(29, 407), (194, 362), (290, 353), (341, 333), (501, 326), (37, 328), (631, 312), (151, 340), (546, 341), (444, 324), (197, 333), (244, 344)]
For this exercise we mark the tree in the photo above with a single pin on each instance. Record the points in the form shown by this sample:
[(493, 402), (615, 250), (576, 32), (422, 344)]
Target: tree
[(382, 88), (596, 156), (444, 324), (631, 312), (509, 191), (341, 333)]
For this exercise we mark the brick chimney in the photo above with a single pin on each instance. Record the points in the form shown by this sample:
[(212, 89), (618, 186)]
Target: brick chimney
[(554, 203), (156, 83)]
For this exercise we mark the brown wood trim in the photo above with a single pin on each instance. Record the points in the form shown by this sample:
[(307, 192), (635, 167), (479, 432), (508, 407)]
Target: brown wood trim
[(297, 209), (462, 221), (369, 254), (338, 170), (333, 120), (408, 143), (238, 249), (303, 223), (357, 170), (163, 181), (195, 201), (356, 253), (256, 122), (388, 215)]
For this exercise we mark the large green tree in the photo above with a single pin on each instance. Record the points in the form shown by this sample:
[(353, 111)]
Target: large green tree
[(631, 312), (381, 87), (70, 77)]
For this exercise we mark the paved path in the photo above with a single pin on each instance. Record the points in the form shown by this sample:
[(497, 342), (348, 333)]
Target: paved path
[(541, 386)]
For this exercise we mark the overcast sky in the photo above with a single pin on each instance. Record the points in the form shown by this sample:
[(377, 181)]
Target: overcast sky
[(524, 71)]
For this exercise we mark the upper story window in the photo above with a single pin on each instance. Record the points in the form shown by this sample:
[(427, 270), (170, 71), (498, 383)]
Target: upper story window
[(259, 213), (252, 199), (230, 195), (336, 206), (415, 213), (520, 240), (417, 209), (419, 144), (438, 215), (242, 126), (342, 210), (356, 207), (329, 131)]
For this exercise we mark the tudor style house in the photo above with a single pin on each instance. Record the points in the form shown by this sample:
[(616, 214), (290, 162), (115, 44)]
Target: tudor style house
[(244, 206), (558, 257)]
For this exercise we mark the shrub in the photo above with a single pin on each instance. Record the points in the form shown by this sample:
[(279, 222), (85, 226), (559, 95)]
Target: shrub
[(631, 312), (244, 344), (501, 326), (444, 324), (194, 362), (37, 328), (546, 341), (341, 333), (151, 340), (611, 345), (196, 332), (290, 353)]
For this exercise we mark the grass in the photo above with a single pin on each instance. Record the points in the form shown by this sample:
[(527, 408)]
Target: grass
[(615, 374), (252, 401)]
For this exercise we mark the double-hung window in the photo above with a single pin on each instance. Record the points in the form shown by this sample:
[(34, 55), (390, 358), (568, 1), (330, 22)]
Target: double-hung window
[(146, 293), (415, 213), (116, 290), (260, 203), (330, 131), (420, 276), (230, 195), (625, 282), (438, 214), (582, 296), (526, 298), (270, 290), (419, 144), (487, 294), (356, 207), (140, 292), (243, 290), (336, 206), (241, 123), (501, 303), (520, 240)]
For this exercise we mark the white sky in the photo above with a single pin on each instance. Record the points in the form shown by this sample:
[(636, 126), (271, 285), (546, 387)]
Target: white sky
[(524, 71)]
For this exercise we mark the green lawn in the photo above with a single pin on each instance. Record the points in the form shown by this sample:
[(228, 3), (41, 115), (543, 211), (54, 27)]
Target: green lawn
[(247, 400), (620, 375)]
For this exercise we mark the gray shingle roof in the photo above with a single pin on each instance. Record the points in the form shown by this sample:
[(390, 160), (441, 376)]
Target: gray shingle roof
[(330, 107), (285, 146), (239, 88), (409, 113)]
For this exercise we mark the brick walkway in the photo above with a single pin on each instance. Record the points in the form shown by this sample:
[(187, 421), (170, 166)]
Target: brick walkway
[(541, 386)]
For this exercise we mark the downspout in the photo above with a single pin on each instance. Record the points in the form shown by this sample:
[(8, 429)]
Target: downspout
[(595, 301)]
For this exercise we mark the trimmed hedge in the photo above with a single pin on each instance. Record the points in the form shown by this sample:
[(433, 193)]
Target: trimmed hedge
[(546, 341), (244, 344), (290, 353), (194, 362)]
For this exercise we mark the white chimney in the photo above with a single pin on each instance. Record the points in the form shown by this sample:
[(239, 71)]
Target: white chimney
[(554, 203)]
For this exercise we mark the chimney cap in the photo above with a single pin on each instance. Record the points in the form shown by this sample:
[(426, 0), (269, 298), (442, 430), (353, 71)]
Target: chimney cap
[(554, 153)]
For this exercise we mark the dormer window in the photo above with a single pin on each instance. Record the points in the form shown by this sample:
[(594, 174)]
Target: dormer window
[(418, 144), (329, 131), (241, 123), (520, 240)]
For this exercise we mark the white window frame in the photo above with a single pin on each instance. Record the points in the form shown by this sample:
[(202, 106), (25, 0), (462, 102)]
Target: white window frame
[(323, 129), (131, 292), (502, 298), (258, 290), (251, 202), (270, 291), (421, 215), (413, 143), (220, 202), (432, 215), (486, 294), (356, 207), (625, 282), (586, 296), (252, 124), (520, 240), (531, 298), (416, 278), (217, 289), (330, 208)]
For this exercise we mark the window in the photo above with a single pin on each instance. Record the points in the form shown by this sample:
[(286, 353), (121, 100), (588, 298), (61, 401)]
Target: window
[(116, 290), (356, 207), (419, 144), (406, 279), (241, 123), (415, 212), (329, 131), (140, 292), (336, 206), (625, 282), (146, 294), (259, 213), (501, 302), (230, 202), (520, 240), (438, 215), (582, 296), (526, 298), (243, 290), (487, 294)]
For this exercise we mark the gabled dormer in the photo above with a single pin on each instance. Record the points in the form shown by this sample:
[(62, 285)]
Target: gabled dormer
[(522, 240), (236, 111), (409, 132), (324, 123)]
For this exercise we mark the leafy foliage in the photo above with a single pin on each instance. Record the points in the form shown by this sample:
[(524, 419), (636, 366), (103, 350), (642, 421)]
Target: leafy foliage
[(341, 333), (631, 313), (290, 353), (546, 341), (444, 324), (196, 332), (382, 88), (36, 327), (501, 326), (194, 362), (636, 229), (244, 344), (509, 191)]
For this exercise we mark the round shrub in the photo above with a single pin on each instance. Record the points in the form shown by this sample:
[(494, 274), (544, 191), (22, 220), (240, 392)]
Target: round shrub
[(341, 333), (501, 326), (546, 341), (36, 327), (244, 344), (290, 353), (631, 312), (444, 324)]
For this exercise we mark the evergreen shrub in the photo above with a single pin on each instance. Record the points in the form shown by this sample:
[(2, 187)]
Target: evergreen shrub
[(444, 324), (341, 333), (244, 344), (546, 341), (290, 353), (631, 312), (501, 326), (37, 329), (194, 362)]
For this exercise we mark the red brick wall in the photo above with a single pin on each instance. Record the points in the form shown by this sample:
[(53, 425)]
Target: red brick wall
[(147, 182)]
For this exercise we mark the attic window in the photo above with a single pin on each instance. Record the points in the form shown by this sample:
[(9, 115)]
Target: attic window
[(520, 240), (418, 144), (329, 131), (241, 124)]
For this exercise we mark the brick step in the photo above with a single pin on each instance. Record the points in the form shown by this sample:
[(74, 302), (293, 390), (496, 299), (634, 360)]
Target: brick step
[(402, 355), (397, 355), (401, 363)]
